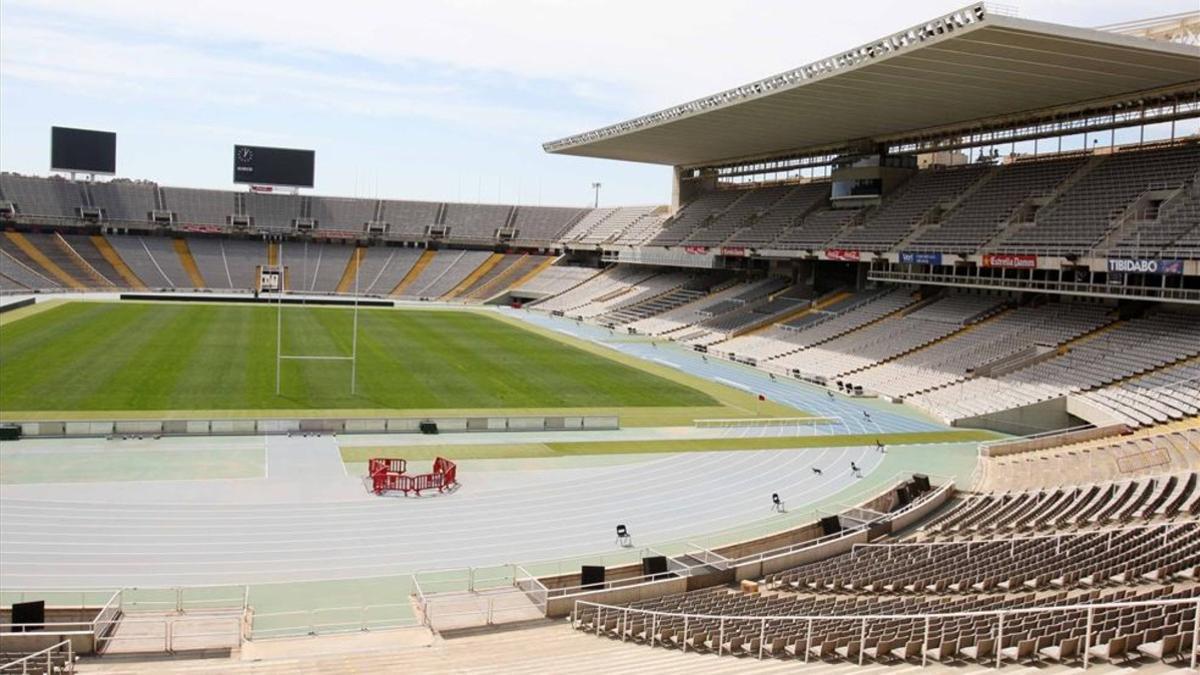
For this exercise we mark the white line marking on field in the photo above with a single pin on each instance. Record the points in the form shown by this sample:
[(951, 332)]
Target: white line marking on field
[(731, 383)]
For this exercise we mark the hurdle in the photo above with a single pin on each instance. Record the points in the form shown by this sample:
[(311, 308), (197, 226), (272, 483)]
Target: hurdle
[(391, 475)]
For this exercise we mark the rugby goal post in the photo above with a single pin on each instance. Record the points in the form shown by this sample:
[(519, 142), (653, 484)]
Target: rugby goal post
[(279, 277)]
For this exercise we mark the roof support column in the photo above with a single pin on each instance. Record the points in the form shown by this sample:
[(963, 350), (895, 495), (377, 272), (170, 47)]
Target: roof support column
[(685, 188)]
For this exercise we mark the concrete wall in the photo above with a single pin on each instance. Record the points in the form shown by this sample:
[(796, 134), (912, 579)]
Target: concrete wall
[(83, 642), (778, 540), (1030, 444), (1030, 419), (779, 563), (572, 579), (1093, 414), (74, 625), (254, 427), (922, 511), (563, 605)]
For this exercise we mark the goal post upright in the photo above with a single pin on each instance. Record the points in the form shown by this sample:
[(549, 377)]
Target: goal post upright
[(280, 357), (354, 332), (279, 318)]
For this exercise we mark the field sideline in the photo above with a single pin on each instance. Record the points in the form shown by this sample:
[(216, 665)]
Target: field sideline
[(188, 359)]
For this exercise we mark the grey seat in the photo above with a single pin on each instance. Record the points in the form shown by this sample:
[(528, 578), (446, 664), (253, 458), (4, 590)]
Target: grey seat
[(1019, 652), (984, 648), (1160, 649), (1064, 651)]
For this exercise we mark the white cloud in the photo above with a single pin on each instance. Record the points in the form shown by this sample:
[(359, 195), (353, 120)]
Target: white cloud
[(424, 93), (644, 53)]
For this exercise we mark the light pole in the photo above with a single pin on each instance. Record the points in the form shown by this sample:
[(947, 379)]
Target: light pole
[(596, 203)]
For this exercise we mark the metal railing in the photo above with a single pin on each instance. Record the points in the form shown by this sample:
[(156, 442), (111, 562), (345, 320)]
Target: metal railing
[(653, 618), (174, 634), (534, 589), (332, 620), (165, 631), (45, 661), (1040, 286)]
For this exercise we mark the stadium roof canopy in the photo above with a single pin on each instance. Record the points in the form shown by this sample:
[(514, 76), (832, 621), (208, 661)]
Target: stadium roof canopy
[(964, 67)]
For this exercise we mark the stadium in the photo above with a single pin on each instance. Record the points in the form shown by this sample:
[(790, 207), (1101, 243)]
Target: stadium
[(906, 375)]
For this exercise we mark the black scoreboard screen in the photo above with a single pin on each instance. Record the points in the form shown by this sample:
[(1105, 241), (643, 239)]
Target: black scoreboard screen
[(83, 150), (273, 166)]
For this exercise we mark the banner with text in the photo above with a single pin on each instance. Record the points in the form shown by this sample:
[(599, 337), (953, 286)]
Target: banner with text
[(1145, 266), (920, 258), (1010, 261), (842, 254)]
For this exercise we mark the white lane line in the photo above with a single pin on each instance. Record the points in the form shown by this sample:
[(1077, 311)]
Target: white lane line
[(731, 383)]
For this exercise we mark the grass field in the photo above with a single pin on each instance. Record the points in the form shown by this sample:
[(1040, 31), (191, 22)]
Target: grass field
[(110, 356)]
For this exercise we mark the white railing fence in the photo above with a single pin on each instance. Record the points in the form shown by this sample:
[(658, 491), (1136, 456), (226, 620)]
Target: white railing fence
[(612, 618), (57, 658), (331, 620)]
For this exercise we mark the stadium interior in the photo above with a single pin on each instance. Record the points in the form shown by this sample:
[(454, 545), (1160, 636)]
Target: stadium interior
[(982, 296)]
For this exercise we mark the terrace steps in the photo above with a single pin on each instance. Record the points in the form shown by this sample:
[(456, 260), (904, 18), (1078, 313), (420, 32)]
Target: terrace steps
[(1050, 202), (488, 288), (1069, 345), (346, 283), (898, 312), (538, 648), (63, 245), (955, 334), (793, 315), (550, 260), (110, 254), (414, 273), (189, 263), (40, 258), (475, 275)]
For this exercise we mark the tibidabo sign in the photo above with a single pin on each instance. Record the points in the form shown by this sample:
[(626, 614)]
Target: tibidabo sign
[(1145, 266)]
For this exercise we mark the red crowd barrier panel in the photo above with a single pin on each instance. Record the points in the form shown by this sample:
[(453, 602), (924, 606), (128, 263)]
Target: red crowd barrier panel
[(388, 475), (383, 465)]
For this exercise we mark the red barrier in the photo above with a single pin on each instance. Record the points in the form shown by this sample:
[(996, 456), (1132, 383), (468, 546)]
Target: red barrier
[(383, 465), (388, 475)]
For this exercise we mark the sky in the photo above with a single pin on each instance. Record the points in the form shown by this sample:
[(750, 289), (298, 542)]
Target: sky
[(437, 100)]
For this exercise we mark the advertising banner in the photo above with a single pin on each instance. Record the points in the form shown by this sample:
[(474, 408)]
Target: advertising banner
[(1017, 261), (920, 258), (842, 254), (1145, 266)]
